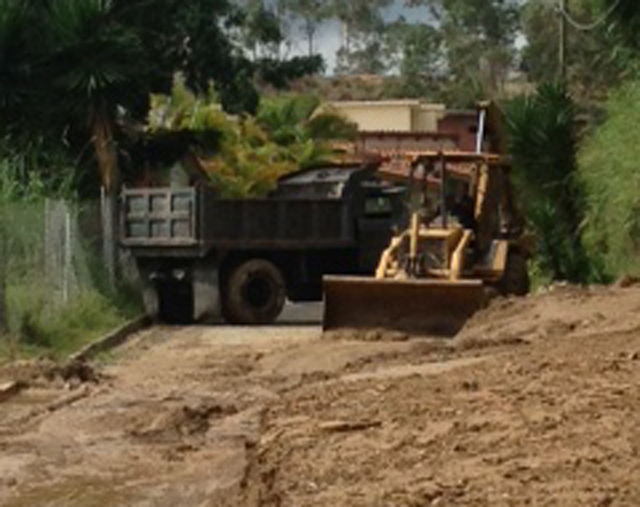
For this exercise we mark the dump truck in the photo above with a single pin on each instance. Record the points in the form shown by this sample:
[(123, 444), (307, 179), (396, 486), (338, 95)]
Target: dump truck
[(200, 256), (464, 242)]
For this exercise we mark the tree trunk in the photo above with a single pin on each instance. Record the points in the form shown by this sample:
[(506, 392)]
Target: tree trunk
[(107, 157), (311, 32), (103, 143)]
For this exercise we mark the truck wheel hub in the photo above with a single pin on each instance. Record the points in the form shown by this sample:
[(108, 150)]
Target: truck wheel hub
[(257, 292)]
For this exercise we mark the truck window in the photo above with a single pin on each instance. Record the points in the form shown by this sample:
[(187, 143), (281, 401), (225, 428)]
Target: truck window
[(380, 206)]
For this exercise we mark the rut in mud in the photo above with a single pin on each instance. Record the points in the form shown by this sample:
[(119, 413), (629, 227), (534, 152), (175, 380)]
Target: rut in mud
[(534, 403)]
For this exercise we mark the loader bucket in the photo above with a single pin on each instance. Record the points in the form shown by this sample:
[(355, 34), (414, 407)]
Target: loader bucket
[(425, 307)]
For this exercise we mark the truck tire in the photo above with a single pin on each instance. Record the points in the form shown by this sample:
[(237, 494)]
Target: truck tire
[(175, 302), (515, 281), (255, 293)]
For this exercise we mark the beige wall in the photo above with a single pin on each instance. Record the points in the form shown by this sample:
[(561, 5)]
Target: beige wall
[(371, 116), (427, 116), (400, 115)]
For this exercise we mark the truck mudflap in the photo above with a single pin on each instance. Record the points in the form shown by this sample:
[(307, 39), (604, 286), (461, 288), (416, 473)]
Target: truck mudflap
[(421, 307)]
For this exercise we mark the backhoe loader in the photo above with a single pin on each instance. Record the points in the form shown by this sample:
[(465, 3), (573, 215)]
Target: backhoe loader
[(464, 243)]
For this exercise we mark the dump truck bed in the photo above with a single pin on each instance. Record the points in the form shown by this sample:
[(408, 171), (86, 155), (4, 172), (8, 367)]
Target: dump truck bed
[(193, 219)]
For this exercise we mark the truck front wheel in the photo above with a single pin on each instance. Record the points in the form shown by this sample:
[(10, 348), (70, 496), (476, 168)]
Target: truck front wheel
[(255, 293)]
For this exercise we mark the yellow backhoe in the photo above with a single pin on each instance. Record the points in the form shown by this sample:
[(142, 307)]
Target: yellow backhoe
[(464, 242)]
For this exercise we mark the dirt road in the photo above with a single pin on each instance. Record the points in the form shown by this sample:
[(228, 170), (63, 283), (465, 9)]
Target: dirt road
[(535, 403)]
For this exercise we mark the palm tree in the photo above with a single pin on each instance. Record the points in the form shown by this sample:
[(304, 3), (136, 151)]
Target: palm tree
[(93, 64), (15, 65), (303, 127), (96, 63)]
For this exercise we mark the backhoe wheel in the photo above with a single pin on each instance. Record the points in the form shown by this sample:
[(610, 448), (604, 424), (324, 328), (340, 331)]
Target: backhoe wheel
[(255, 293), (515, 281)]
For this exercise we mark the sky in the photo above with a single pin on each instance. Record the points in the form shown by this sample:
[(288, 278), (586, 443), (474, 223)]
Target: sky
[(328, 37)]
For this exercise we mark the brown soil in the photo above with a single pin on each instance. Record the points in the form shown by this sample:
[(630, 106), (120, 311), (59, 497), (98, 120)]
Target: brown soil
[(534, 403)]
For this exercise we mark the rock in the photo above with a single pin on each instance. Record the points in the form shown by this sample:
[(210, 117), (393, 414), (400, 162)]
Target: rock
[(346, 426)]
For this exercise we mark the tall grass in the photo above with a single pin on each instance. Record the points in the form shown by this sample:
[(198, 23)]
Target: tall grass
[(39, 320), (610, 172)]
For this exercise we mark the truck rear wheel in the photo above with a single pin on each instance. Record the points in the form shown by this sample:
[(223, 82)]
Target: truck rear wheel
[(255, 293), (515, 281)]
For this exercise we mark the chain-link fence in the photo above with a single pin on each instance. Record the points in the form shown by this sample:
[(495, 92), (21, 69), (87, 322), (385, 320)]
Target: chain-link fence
[(57, 289)]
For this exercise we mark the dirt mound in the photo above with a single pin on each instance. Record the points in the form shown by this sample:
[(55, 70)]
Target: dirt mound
[(180, 423), (531, 404), (543, 418), (44, 373)]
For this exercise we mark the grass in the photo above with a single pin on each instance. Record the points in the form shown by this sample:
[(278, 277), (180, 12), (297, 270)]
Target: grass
[(39, 323), (38, 328), (609, 171)]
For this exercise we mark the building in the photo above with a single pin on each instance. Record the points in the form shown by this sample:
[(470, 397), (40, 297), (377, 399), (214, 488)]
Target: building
[(392, 115), (463, 125), (410, 116), (400, 132)]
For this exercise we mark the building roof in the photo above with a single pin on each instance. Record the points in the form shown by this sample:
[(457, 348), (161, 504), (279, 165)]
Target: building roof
[(387, 103)]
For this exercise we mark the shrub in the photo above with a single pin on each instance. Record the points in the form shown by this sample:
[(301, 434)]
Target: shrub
[(610, 172)]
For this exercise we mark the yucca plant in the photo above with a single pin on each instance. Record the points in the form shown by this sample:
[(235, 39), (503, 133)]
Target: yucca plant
[(543, 145), (14, 60), (96, 64)]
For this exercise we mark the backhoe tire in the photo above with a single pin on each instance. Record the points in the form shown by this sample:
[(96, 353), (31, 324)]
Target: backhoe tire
[(515, 281), (255, 293)]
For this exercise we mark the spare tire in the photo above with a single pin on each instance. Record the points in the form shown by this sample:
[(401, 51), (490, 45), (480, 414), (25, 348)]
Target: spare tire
[(515, 281), (254, 294)]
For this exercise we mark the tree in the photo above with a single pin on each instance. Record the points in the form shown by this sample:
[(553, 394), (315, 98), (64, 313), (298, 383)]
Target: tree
[(261, 27), (95, 63), (419, 51), (303, 128), (244, 156), (362, 50), (540, 27), (478, 40), (311, 13), (596, 58), (625, 17), (76, 68), (80, 63), (15, 64)]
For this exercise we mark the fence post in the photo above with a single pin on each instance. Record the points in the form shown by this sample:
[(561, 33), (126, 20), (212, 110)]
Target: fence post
[(66, 277)]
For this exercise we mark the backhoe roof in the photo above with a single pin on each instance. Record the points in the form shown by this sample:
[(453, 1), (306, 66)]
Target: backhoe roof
[(461, 165)]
